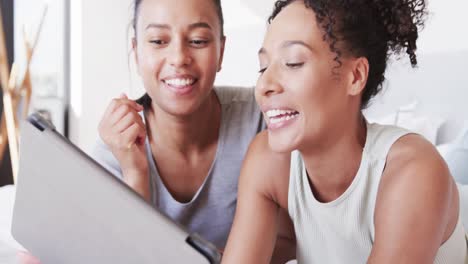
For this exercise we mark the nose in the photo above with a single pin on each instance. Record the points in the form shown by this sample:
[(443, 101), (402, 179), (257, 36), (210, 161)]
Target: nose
[(179, 55), (268, 83)]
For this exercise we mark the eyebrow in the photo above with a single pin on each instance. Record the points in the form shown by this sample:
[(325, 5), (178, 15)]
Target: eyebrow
[(200, 25), (160, 26), (167, 26), (288, 44)]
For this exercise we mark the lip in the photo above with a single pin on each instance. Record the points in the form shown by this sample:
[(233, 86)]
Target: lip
[(180, 90), (279, 124), (266, 108)]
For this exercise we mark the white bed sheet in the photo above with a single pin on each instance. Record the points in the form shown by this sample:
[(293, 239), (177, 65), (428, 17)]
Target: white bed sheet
[(8, 246)]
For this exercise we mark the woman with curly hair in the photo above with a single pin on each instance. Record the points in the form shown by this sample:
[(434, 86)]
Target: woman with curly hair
[(356, 192)]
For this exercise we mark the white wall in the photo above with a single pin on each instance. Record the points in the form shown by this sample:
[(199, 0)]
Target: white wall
[(101, 71), (440, 83), (47, 68)]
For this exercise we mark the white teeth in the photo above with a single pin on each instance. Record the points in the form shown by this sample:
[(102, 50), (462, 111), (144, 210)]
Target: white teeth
[(277, 115), (180, 82), (277, 112)]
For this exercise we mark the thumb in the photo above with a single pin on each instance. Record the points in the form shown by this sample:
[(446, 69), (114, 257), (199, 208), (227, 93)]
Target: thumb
[(123, 96), (141, 138)]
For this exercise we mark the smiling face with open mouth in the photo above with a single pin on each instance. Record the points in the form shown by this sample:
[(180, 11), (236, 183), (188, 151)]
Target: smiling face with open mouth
[(178, 49), (180, 84), (302, 95)]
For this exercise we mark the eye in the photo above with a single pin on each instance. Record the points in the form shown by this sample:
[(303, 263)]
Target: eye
[(294, 65), (199, 42), (262, 70), (158, 42)]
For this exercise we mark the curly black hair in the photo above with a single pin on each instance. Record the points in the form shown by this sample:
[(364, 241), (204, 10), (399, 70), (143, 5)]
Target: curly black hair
[(373, 29)]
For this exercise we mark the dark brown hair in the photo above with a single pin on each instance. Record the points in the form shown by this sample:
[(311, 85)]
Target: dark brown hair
[(373, 29), (219, 11)]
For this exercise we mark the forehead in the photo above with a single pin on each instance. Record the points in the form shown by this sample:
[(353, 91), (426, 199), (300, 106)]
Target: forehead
[(294, 22), (178, 12)]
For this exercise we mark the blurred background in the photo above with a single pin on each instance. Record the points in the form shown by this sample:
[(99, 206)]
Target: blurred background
[(82, 60)]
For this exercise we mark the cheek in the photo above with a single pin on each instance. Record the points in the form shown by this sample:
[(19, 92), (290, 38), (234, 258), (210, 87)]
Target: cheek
[(208, 59), (315, 96), (149, 64), (308, 87)]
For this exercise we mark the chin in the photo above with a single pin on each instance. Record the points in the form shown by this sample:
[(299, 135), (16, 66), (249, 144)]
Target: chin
[(181, 107), (182, 111), (281, 143)]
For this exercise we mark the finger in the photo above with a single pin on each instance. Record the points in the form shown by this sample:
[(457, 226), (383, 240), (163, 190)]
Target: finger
[(132, 135), (141, 138), (111, 107), (139, 120), (122, 100), (137, 107), (128, 120), (119, 114), (26, 258), (134, 104)]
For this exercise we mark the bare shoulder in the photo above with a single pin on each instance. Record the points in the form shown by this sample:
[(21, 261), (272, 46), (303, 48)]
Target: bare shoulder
[(415, 161), (417, 200), (266, 169)]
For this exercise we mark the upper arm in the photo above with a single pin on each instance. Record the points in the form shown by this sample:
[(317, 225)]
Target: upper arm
[(415, 204), (254, 230), (285, 246)]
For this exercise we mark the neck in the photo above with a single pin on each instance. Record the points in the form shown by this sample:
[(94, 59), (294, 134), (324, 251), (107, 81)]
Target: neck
[(333, 164), (185, 134)]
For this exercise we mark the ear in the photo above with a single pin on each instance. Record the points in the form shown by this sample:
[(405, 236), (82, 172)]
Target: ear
[(221, 54), (135, 53), (359, 75)]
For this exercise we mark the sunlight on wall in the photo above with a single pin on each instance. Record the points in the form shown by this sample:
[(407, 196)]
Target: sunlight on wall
[(76, 88)]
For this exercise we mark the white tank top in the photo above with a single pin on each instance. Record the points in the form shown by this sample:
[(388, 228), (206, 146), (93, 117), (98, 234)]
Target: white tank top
[(342, 231)]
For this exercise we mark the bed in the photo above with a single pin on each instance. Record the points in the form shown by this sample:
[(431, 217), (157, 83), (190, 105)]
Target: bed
[(8, 246)]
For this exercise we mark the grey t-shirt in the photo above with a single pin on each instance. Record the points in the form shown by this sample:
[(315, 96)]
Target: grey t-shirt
[(211, 211)]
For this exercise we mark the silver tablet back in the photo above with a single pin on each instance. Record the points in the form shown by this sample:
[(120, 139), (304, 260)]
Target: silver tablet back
[(69, 209)]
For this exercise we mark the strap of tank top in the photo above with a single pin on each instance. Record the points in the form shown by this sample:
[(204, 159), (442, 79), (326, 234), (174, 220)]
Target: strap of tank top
[(295, 182), (382, 138)]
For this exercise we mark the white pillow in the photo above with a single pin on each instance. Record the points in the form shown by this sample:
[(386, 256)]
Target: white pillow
[(455, 154), (457, 161), (425, 126), (407, 117)]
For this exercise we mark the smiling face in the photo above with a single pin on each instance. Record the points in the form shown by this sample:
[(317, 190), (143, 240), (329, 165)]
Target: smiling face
[(305, 99), (178, 49)]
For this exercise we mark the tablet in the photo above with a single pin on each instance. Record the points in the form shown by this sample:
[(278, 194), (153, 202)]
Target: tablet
[(69, 209)]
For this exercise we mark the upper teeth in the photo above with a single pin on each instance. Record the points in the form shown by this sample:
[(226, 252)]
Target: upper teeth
[(277, 112), (180, 82)]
